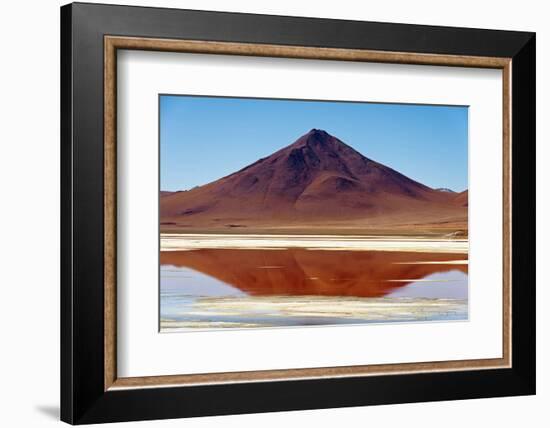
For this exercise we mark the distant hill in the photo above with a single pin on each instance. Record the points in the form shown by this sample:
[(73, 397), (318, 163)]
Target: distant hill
[(461, 198), (314, 183)]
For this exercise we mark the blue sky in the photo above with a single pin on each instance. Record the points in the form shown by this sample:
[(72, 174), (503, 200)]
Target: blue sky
[(205, 138)]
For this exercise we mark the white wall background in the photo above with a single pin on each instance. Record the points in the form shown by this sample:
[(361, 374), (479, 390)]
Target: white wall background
[(29, 216)]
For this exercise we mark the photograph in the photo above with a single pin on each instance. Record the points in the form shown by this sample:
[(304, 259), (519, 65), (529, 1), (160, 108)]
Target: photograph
[(286, 211), (295, 213)]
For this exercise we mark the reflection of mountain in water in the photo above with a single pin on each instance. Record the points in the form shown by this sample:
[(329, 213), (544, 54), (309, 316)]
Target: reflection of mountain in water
[(303, 272)]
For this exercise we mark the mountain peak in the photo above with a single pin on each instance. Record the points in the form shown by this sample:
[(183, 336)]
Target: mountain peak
[(317, 138), (317, 151), (319, 132)]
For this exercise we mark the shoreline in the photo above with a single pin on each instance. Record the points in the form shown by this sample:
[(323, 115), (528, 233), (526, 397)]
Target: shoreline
[(321, 242), (308, 311)]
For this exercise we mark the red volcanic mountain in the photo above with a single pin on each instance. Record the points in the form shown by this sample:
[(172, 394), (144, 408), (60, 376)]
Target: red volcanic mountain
[(316, 182)]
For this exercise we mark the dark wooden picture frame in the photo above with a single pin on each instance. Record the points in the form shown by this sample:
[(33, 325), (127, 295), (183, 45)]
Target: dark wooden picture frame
[(90, 37)]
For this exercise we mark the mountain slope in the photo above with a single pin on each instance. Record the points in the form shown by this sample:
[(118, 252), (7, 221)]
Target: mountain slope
[(318, 180), (461, 199)]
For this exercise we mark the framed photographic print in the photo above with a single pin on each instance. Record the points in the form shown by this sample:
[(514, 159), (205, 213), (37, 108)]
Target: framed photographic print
[(264, 213)]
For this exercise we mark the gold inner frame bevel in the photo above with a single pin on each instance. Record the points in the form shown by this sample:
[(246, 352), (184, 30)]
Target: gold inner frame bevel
[(113, 43)]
